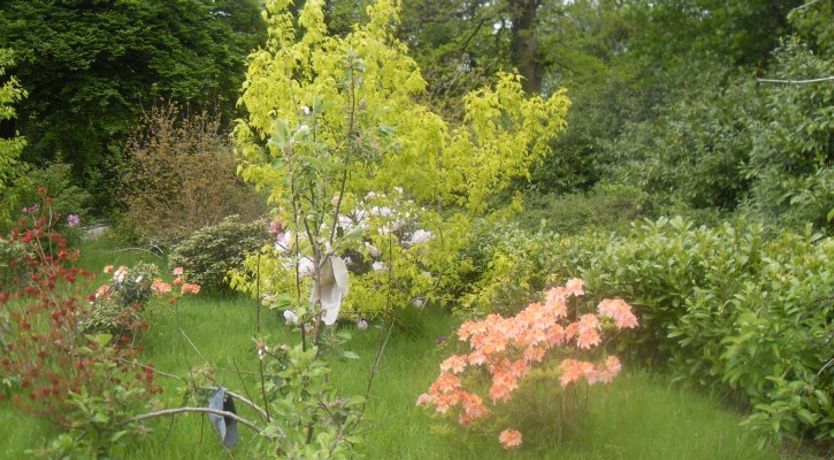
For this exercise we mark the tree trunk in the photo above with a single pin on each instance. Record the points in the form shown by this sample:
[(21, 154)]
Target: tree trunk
[(524, 46)]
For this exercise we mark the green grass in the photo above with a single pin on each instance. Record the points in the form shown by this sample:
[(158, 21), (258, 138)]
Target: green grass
[(639, 416)]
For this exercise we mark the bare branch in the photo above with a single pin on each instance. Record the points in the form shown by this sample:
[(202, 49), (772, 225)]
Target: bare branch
[(795, 82), (205, 410), (244, 400), (806, 5)]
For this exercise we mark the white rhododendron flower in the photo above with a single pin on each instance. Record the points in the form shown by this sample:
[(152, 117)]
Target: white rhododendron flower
[(290, 317), (306, 267), (420, 236), (282, 242)]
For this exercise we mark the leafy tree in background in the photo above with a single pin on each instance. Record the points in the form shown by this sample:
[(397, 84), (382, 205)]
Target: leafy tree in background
[(11, 169), (90, 66)]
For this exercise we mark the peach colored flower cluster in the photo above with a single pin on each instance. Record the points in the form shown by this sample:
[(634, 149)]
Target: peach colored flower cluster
[(508, 348), (158, 286)]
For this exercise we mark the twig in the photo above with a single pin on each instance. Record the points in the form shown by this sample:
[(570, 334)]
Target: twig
[(795, 82), (258, 296), (375, 367), (263, 413), (155, 371), (143, 250), (826, 366), (263, 388), (806, 5), (194, 346), (205, 410), (232, 394)]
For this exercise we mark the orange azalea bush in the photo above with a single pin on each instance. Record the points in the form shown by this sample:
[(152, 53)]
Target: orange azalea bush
[(503, 351), (116, 306)]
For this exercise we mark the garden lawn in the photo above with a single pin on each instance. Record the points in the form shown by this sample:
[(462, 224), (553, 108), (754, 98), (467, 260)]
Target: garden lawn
[(639, 416)]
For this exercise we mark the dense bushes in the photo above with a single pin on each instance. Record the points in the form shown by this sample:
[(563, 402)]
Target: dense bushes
[(736, 311), (180, 176), (732, 308), (210, 253), (608, 207)]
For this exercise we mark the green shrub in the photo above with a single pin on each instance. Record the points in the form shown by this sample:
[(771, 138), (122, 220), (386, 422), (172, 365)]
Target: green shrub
[(659, 266), (56, 178), (731, 309), (210, 253), (607, 207), (513, 263)]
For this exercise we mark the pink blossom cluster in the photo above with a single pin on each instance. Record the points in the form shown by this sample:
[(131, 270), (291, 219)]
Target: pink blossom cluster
[(508, 348)]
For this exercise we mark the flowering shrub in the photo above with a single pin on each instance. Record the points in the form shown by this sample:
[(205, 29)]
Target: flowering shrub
[(46, 355), (116, 306), (51, 365), (503, 351)]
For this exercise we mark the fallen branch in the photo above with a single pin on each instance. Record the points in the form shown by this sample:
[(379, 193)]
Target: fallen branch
[(795, 82)]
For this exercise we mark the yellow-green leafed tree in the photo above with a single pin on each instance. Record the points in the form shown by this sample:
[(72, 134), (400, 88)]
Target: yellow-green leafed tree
[(11, 169), (356, 168)]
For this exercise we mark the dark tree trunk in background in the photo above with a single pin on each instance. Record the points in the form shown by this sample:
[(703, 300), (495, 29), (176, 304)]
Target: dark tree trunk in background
[(525, 53)]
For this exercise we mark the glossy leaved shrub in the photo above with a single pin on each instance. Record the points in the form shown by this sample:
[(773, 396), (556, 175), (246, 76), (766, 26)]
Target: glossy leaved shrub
[(209, 254)]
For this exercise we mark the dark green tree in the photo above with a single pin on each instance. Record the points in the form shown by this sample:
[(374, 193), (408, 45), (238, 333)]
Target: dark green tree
[(91, 66)]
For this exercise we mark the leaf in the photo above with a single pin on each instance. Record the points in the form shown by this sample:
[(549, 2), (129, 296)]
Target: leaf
[(350, 355), (101, 339)]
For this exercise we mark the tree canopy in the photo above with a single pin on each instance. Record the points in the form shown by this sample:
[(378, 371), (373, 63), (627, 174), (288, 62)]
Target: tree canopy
[(92, 66)]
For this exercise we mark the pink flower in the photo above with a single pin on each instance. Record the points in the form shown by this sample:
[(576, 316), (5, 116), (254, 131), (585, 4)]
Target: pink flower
[(178, 271)]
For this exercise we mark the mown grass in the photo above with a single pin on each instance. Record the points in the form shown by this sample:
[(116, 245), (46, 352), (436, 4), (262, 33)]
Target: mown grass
[(639, 416)]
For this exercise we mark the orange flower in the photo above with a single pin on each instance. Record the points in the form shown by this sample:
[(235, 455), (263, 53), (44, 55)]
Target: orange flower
[(455, 363), (509, 438), (573, 370), (160, 287), (178, 281), (533, 353), (103, 291), (574, 287), (503, 384), (619, 311), (108, 269), (555, 335), (588, 338), (446, 383), (190, 288)]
